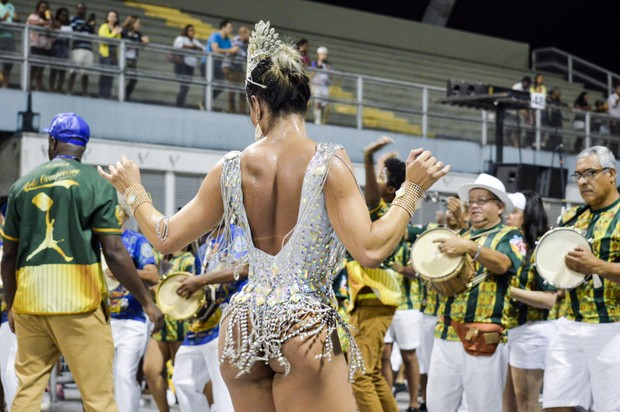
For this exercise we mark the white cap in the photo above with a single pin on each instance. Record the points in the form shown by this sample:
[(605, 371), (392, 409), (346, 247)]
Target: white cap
[(322, 49), (518, 200), (490, 183)]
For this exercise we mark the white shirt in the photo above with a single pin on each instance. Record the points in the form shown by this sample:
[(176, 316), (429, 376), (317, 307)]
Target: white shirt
[(614, 105), (182, 41)]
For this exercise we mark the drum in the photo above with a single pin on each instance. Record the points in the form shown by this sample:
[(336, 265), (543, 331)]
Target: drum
[(202, 304), (448, 275), (549, 256)]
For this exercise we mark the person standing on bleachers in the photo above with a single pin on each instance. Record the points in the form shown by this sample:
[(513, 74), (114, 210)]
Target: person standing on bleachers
[(235, 67), (7, 43), (111, 29), (613, 109), (131, 31), (82, 51), (319, 83), (185, 64), (40, 43), (220, 45)]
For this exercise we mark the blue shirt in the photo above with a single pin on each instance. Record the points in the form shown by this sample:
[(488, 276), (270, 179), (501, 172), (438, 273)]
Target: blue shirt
[(123, 305), (78, 25)]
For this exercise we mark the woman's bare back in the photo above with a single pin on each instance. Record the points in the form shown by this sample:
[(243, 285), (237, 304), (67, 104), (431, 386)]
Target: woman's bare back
[(272, 175)]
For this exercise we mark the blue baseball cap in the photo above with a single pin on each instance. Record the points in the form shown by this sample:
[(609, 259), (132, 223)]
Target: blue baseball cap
[(69, 128)]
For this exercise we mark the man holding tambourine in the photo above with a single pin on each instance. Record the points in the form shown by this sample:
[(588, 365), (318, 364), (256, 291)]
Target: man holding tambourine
[(477, 364), (583, 360), (196, 361)]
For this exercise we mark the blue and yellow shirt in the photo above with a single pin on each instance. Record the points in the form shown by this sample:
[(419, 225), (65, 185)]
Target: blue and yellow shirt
[(123, 305)]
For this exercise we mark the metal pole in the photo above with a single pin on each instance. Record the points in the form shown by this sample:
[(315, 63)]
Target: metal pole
[(538, 131), (26, 66), (485, 126), (360, 103), (570, 69), (500, 111), (209, 87), (53, 380), (588, 141), (425, 112), (122, 65)]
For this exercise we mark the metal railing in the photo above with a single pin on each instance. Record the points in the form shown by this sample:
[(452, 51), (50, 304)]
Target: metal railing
[(575, 68), (356, 101)]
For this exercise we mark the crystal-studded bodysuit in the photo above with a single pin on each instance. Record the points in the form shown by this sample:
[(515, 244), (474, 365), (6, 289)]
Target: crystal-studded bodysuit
[(290, 294)]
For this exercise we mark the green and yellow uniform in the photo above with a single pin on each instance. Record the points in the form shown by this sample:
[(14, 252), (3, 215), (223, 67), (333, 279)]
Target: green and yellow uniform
[(518, 313), (175, 330), (55, 212), (585, 303), (484, 302)]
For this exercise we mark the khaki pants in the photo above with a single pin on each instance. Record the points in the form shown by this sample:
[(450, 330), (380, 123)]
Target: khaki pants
[(85, 341), (370, 320)]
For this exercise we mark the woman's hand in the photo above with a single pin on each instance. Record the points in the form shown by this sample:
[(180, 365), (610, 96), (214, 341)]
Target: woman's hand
[(189, 285), (424, 169), (123, 174)]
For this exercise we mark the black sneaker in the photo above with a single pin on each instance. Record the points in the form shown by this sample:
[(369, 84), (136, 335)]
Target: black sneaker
[(422, 407), (412, 409), (399, 387)]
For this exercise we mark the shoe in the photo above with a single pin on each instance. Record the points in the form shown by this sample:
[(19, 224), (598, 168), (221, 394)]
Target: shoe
[(46, 402), (399, 387), (412, 409), (171, 398), (422, 407)]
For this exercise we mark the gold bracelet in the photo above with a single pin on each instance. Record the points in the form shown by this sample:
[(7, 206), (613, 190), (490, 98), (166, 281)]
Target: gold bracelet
[(135, 195), (407, 197)]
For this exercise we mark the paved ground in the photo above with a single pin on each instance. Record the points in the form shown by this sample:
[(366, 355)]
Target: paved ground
[(72, 403)]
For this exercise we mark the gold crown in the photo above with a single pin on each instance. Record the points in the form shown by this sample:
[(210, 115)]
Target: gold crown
[(263, 42)]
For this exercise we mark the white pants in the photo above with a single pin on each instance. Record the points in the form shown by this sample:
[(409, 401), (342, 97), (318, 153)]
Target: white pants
[(583, 366), (194, 366), (454, 372), (528, 343), (8, 351), (130, 339), (405, 329), (427, 337)]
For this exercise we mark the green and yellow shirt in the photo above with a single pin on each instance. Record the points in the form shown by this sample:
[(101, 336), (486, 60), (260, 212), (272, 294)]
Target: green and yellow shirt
[(585, 303), (384, 281), (517, 313), (55, 212), (484, 302)]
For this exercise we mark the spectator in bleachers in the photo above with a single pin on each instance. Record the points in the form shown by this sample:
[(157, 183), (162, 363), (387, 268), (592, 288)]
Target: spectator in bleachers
[(553, 119), (581, 105), (523, 85), (613, 109), (40, 43), (131, 31), (320, 84), (60, 49), (82, 50), (302, 47), (219, 43), (235, 66), (600, 124), (7, 43), (184, 65), (539, 85), (111, 29)]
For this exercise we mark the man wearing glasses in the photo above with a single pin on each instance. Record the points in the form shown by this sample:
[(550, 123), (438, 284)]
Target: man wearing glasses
[(468, 353), (583, 360)]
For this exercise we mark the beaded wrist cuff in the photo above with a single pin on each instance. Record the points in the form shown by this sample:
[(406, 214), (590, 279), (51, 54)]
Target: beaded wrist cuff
[(408, 197), (135, 195)]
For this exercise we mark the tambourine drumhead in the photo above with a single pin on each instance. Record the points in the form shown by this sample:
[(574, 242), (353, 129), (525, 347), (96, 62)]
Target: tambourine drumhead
[(550, 253), (428, 261), (173, 305)]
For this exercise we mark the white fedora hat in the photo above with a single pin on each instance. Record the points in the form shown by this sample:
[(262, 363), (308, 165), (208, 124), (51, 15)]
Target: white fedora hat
[(518, 200), (490, 183)]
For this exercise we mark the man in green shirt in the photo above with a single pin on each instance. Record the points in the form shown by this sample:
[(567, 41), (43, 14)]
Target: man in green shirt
[(58, 215)]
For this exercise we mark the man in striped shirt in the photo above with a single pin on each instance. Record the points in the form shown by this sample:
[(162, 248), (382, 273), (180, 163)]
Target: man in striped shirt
[(57, 216), (496, 251), (583, 360)]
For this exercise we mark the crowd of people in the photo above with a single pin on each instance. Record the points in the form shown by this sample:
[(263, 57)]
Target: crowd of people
[(318, 283)]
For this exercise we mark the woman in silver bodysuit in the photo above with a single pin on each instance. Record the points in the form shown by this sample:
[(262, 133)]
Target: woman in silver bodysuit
[(299, 207)]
